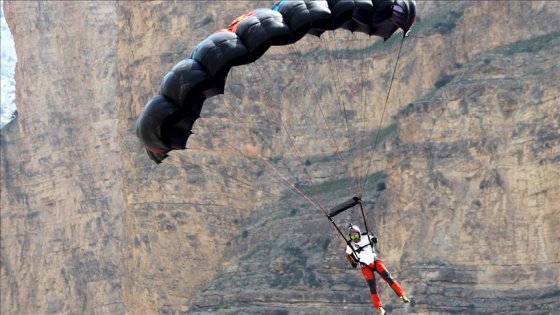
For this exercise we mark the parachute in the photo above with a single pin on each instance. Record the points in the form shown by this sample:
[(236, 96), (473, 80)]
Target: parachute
[(167, 119)]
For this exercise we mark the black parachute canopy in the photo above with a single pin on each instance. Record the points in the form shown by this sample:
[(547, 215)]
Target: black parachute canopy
[(167, 119)]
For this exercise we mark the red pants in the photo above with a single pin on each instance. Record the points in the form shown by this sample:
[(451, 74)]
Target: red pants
[(379, 267)]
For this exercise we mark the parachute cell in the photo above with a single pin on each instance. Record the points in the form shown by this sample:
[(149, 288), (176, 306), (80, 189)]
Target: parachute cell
[(167, 119)]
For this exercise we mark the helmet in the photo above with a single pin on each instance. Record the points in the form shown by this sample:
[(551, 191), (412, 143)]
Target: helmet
[(354, 229)]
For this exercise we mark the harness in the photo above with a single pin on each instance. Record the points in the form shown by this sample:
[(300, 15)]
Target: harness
[(361, 248), (356, 251)]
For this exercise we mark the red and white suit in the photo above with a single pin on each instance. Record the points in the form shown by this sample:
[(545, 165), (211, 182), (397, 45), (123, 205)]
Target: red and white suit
[(369, 261)]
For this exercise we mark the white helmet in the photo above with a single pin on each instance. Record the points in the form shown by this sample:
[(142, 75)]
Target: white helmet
[(354, 229)]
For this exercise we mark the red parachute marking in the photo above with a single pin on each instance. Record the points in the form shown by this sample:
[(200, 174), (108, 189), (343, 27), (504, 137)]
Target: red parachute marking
[(233, 26)]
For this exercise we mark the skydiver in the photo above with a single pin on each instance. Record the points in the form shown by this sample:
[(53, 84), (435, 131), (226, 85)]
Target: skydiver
[(362, 252)]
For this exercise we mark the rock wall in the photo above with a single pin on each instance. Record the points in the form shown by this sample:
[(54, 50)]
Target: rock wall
[(464, 197), (62, 192)]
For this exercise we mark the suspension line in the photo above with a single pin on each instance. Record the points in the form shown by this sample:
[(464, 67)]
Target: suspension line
[(383, 112)]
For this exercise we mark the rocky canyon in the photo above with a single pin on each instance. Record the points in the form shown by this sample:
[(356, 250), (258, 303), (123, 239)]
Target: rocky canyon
[(451, 137)]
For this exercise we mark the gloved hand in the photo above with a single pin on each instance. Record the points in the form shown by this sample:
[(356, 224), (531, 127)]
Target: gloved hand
[(354, 264), (374, 239)]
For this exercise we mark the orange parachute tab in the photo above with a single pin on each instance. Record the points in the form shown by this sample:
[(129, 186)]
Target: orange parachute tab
[(233, 26)]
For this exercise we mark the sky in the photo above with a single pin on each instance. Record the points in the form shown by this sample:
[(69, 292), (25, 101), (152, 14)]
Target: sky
[(7, 68)]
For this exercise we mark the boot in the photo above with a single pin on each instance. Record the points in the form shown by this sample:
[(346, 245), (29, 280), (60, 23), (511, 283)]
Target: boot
[(380, 311), (404, 299)]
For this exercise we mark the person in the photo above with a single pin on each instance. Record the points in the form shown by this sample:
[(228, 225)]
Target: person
[(360, 250)]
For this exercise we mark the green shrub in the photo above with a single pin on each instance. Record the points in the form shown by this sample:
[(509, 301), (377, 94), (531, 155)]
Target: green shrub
[(442, 81)]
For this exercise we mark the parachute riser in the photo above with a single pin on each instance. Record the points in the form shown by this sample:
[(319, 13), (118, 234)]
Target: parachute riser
[(366, 225)]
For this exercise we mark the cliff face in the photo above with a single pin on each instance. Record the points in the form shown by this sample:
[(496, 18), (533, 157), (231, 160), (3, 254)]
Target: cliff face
[(62, 195), (464, 198)]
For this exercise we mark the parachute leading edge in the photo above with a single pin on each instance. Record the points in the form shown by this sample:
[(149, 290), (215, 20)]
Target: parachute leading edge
[(167, 119)]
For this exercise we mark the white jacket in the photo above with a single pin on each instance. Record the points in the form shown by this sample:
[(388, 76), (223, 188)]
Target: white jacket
[(363, 249)]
